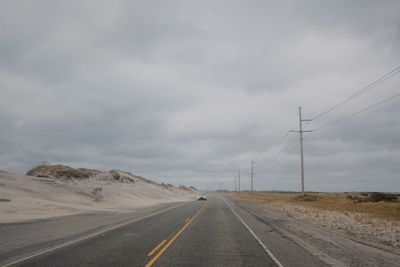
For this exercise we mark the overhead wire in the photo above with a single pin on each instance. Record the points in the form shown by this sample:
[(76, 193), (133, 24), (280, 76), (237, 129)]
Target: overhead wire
[(358, 112), (370, 86), (281, 160), (365, 89), (275, 147), (278, 158)]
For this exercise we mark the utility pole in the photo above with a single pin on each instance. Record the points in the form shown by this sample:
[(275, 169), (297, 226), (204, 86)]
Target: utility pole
[(300, 131), (252, 176), (239, 181)]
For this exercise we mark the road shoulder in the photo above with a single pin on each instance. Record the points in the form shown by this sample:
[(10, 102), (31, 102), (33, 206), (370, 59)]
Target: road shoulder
[(327, 247), (288, 252)]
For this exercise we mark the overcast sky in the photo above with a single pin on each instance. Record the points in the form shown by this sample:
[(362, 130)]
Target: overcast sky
[(189, 92)]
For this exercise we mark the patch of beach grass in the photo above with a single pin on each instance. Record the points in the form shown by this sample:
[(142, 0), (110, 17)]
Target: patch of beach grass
[(58, 171)]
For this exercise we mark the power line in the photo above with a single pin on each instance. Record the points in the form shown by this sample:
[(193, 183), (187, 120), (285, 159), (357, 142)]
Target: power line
[(370, 86), (282, 150), (282, 159), (291, 148), (358, 112), (279, 148), (275, 147), (279, 158), (374, 84), (274, 151)]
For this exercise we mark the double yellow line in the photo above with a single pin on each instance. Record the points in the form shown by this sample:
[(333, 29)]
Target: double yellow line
[(158, 255)]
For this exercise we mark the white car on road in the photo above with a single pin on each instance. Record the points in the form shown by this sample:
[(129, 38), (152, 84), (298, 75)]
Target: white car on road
[(202, 197)]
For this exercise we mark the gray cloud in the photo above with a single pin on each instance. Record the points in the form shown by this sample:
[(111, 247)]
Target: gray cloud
[(189, 92)]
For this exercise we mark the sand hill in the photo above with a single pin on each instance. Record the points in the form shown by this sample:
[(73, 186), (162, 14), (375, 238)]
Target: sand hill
[(57, 190)]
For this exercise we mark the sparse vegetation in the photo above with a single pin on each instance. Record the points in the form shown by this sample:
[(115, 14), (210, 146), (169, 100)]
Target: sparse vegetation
[(115, 175), (306, 197), (165, 186), (373, 197), (5, 200), (97, 193), (374, 205), (183, 188), (58, 171)]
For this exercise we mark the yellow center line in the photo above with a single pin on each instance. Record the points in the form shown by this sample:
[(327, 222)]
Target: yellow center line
[(150, 263), (156, 248)]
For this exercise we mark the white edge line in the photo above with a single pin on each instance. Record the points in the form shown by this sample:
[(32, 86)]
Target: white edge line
[(255, 236), (92, 235)]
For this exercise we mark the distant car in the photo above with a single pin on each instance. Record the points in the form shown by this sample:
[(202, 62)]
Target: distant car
[(202, 197)]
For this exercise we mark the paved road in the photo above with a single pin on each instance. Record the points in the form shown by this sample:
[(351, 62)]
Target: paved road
[(21, 239), (207, 233)]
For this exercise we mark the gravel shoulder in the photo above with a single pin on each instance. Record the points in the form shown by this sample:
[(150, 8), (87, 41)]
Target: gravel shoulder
[(335, 246)]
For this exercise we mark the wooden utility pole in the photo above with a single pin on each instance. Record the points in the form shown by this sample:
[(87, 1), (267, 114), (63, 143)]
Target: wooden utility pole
[(239, 181), (235, 183), (252, 176), (300, 131), (301, 151)]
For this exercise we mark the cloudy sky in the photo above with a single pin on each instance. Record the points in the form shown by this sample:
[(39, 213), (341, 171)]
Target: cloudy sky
[(190, 92)]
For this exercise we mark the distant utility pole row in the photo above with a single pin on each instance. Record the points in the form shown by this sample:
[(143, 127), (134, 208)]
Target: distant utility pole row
[(237, 182), (237, 179), (300, 131), (362, 91)]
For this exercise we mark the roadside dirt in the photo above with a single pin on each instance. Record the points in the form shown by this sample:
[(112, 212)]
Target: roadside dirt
[(354, 225), (331, 237)]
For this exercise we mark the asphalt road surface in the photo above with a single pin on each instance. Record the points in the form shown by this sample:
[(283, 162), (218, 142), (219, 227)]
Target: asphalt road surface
[(216, 232)]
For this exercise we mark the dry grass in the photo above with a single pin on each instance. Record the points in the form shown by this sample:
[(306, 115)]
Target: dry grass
[(58, 171), (327, 201)]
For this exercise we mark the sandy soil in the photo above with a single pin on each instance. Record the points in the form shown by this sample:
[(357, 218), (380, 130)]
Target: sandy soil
[(25, 198), (375, 221), (358, 225)]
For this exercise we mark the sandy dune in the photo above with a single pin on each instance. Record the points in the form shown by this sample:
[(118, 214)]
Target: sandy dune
[(25, 197)]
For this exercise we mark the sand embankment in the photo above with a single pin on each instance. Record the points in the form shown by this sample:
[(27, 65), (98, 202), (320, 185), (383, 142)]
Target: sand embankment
[(24, 197)]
